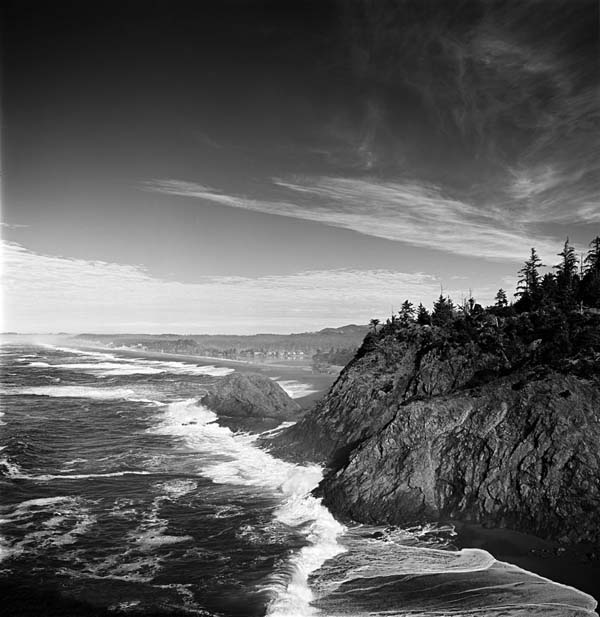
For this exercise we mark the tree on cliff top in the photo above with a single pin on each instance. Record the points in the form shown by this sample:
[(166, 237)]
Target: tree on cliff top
[(590, 283), (567, 268), (423, 316), (443, 311), (407, 312), (567, 280), (501, 299), (592, 260), (528, 286)]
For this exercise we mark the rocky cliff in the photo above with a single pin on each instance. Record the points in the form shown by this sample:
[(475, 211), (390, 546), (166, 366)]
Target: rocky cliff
[(495, 421)]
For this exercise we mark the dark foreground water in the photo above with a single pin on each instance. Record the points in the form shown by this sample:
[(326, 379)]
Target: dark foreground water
[(120, 494)]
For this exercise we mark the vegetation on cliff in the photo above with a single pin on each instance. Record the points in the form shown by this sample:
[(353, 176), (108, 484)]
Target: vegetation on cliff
[(486, 414)]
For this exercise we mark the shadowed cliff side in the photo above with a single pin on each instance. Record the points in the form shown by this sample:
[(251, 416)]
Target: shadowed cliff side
[(485, 418)]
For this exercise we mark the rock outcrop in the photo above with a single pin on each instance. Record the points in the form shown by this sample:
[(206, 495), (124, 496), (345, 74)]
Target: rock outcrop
[(476, 421), (249, 401)]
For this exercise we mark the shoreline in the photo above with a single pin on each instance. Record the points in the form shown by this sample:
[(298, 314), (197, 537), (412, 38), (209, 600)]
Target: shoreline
[(571, 566), (564, 565), (319, 382)]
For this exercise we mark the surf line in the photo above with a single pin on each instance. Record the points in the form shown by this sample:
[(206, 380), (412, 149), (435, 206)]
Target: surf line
[(236, 459)]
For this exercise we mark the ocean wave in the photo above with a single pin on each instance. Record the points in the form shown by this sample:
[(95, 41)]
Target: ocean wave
[(104, 368), (176, 488), (14, 471), (78, 352), (111, 365), (125, 566), (294, 388), (82, 392), (397, 571), (58, 521), (230, 458), (77, 476), (8, 468)]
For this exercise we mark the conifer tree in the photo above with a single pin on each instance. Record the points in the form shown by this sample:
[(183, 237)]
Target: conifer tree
[(407, 312), (592, 259), (567, 279), (566, 270), (423, 316), (528, 286), (549, 288), (443, 311), (590, 285), (501, 299), (374, 323)]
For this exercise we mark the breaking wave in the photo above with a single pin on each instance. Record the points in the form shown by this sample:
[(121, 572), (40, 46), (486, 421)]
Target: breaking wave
[(235, 459)]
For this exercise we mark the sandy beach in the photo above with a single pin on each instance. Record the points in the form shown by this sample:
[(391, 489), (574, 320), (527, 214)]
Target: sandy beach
[(578, 568)]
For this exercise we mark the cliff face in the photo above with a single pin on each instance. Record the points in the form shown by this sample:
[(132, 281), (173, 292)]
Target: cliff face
[(434, 423)]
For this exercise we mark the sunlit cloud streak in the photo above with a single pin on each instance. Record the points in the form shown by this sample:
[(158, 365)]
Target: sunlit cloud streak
[(412, 213), (49, 293), (549, 193)]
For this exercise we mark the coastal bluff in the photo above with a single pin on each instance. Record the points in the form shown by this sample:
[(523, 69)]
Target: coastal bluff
[(485, 419)]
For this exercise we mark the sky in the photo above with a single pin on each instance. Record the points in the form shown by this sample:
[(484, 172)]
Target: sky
[(245, 166)]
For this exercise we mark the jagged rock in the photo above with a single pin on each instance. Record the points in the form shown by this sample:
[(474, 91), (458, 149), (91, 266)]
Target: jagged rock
[(240, 397), (431, 424), (527, 459)]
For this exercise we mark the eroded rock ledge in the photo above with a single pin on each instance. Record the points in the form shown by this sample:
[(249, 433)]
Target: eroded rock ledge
[(427, 423)]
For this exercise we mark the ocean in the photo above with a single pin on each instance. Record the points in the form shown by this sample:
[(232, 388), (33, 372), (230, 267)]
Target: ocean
[(121, 494)]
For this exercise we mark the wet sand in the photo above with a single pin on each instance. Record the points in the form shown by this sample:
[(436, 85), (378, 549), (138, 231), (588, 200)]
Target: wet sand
[(577, 567)]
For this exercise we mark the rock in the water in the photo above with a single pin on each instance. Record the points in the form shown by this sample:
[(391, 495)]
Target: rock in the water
[(247, 397)]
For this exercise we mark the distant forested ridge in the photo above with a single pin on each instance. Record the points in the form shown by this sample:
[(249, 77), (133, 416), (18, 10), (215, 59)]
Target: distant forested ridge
[(303, 346)]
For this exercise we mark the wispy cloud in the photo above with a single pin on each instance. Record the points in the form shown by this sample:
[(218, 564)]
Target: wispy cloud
[(49, 293), (557, 193), (412, 213), (12, 225)]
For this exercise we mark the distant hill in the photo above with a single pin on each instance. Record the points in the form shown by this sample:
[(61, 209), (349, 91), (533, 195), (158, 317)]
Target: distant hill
[(328, 344)]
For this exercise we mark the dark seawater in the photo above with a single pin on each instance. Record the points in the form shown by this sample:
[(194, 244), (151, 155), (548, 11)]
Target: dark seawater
[(119, 494)]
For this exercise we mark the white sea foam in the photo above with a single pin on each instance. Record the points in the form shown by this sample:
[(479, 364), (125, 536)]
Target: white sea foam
[(104, 368), (386, 559), (63, 519), (41, 502), (9, 469), (85, 476), (47, 477), (295, 389), (177, 488), (235, 459), (15, 472), (83, 392), (110, 365), (78, 352), (6, 549)]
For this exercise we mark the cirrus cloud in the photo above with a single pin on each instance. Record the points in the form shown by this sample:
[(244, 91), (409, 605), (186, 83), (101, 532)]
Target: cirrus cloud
[(413, 213)]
